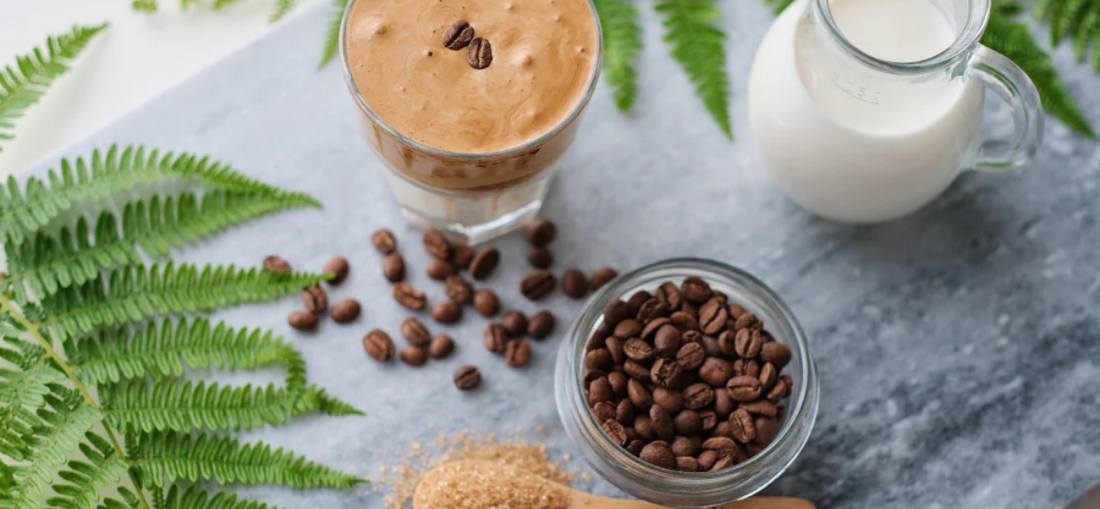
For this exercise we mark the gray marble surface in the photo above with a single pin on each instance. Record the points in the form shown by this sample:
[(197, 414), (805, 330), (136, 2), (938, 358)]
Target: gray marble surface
[(958, 349)]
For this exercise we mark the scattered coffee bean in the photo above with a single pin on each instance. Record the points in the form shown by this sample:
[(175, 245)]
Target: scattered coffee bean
[(303, 321), (276, 265), (384, 241), (538, 284), (540, 232), (437, 245), (415, 332), (446, 312), (458, 289), (315, 299), (441, 346), (540, 257), (480, 53), (495, 337), (486, 303), (339, 267), (658, 453), (458, 35), (467, 377), (517, 352), (574, 283), (346, 311), (408, 297), (439, 270), (414, 355), (515, 322), (461, 256), (541, 325), (393, 267), (378, 345), (484, 263)]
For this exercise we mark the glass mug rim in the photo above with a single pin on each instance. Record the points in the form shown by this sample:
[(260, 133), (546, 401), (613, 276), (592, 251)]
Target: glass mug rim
[(349, 80), (965, 41)]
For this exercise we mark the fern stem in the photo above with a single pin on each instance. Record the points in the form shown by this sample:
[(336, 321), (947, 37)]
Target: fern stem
[(32, 328)]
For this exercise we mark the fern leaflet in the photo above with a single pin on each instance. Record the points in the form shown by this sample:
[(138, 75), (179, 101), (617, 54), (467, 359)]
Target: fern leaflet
[(23, 85), (282, 8), (86, 478), (697, 43), (1078, 20), (195, 498), (332, 35), (622, 40)]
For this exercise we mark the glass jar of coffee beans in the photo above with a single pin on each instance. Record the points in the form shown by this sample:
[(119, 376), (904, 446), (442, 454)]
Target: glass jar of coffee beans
[(687, 383)]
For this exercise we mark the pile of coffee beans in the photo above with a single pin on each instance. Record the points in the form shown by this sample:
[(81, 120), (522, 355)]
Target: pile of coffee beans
[(685, 379), (506, 337), (315, 298), (541, 282)]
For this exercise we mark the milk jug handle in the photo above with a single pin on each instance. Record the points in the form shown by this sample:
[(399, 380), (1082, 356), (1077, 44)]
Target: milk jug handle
[(1016, 89)]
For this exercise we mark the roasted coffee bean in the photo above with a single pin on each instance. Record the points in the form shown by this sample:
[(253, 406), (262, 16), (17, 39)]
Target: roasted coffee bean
[(692, 336), (384, 241), (712, 317), (339, 268), (746, 320), (667, 341), (778, 392), (649, 332), (600, 359), (687, 422), (441, 346), (635, 447), (467, 377), (540, 257), (541, 325), (652, 309), (695, 290), (723, 446), (689, 307), (753, 448), (707, 459), (615, 346), (708, 419), (697, 396), (484, 263), (659, 454), (414, 355), (602, 277), (687, 464), (768, 376), (711, 346), (540, 232), (615, 431), (315, 299), (721, 296), (668, 295), (776, 353), (766, 429), (631, 434), (446, 312), (624, 411), (629, 328), (346, 311), (303, 321), (495, 337), (415, 332), (486, 303), (727, 342), (736, 310), (591, 375), (664, 372), (458, 35), (744, 388), (618, 382), (662, 423), (644, 427), (615, 312), (716, 371), (634, 303), (744, 429), (690, 356), (636, 371), (600, 390), (515, 322), (788, 381), (749, 343), (669, 399), (684, 321), (682, 445), (439, 269), (574, 284), (276, 265), (761, 407), (378, 345), (458, 289), (638, 394), (723, 404), (723, 463), (437, 245), (746, 367), (517, 352), (393, 267), (461, 256), (538, 284), (597, 340)]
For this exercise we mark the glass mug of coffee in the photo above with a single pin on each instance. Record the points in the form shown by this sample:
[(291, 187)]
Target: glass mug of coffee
[(470, 103), (866, 110)]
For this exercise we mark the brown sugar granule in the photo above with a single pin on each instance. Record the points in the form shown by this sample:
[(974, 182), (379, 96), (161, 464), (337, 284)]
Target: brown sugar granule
[(479, 484)]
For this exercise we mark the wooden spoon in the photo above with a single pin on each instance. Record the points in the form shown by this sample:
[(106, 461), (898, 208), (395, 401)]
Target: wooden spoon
[(460, 483)]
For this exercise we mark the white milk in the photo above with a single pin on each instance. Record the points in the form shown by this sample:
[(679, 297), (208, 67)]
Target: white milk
[(851, 143)]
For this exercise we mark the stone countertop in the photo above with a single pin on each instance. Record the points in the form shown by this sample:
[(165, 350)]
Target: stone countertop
[(958, 349)]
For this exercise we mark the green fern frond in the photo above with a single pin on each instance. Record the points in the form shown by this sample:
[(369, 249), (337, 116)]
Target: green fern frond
[(49, 263), (85, 479), (144, 5), (281, 9), (164, 352), (316, 398), (165, 457), (24, 211), (697, 43), (195, 498), (23, 387), (1013, 39), (135, 293), (332, 35), (23, 84), (622, 43)]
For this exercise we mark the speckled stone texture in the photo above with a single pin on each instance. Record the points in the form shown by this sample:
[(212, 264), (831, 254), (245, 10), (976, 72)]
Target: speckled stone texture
[(958, 349)]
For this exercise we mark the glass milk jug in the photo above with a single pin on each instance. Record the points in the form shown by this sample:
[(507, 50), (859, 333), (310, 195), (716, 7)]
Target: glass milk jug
[(859, 120)]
